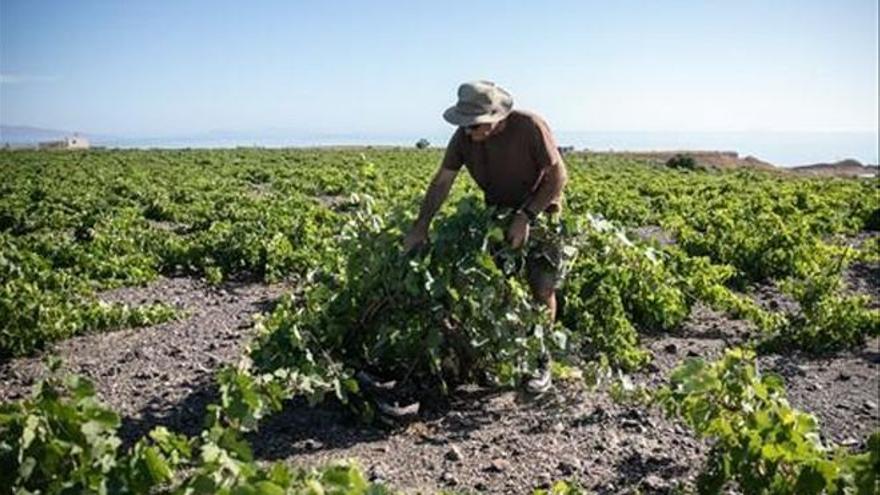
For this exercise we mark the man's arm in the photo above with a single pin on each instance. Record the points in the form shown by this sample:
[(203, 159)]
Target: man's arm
[(553, 181), (436, 194)]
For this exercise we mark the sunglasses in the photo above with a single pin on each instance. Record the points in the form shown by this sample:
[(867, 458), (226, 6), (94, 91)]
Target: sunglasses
[(473, 127)]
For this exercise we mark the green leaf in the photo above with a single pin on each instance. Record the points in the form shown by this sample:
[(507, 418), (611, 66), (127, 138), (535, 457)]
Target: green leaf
[(31, 425), (159, 469), (268, 488)]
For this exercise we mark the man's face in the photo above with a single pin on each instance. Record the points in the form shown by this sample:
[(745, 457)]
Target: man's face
[(480, 132)]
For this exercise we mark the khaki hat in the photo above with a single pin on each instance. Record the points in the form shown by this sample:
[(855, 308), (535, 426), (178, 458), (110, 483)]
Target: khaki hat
[(479, 102)]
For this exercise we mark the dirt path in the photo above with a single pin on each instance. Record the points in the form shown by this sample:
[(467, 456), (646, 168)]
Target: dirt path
[(162, 374)]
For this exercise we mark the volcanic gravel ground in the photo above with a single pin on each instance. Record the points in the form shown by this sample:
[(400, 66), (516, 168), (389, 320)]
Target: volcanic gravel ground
[(478, 439), (842, 391), (162, 374), (861, 277), (497, 442)]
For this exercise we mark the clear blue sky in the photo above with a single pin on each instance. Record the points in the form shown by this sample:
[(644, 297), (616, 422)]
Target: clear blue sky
[(165, 67)]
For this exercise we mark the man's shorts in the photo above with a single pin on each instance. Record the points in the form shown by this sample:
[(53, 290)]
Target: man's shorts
[(545, 257)]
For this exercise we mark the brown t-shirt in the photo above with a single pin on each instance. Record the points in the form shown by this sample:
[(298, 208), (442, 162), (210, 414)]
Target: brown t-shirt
[(509, 165)]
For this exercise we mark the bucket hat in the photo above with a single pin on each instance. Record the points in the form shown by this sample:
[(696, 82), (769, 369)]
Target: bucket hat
[(479, 102)]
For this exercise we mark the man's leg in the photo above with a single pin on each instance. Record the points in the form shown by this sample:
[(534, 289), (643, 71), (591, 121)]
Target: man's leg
[(543, 264), (543, 284), (542, 281)]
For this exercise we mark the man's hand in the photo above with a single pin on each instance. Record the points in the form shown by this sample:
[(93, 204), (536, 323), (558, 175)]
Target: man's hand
[(518, 233), (434, 197), (414, 239)]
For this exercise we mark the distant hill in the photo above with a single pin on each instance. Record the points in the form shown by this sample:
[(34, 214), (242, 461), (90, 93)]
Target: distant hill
[(25, 135), (703, 158), (843, 168), (732, 160)]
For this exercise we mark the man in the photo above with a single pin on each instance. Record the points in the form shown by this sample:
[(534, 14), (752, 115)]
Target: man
[(513, 157)]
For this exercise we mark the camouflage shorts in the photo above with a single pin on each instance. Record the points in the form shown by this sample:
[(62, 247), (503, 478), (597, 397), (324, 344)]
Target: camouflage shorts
[(544, 258)]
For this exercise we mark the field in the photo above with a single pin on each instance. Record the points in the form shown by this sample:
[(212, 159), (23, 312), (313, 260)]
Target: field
[(239, 321)]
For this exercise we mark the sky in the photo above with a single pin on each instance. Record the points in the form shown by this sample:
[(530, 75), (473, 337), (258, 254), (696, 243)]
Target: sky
[(152, 68)]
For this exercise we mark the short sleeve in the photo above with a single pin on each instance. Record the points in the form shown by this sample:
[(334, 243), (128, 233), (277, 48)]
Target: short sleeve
[(544, 149), (454, 158)]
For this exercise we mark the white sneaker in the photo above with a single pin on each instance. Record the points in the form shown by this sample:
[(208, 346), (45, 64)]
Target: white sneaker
[(543, 379)]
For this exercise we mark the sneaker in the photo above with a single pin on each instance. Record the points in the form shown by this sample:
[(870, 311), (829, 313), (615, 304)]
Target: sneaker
[(542, 380), (396, 411)]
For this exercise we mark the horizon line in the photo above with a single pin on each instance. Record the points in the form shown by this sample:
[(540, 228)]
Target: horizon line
[(323, 133)]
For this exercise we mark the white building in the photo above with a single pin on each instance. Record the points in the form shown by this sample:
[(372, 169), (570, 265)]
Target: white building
[(75, 142)]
